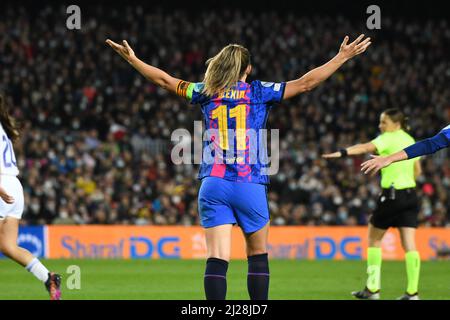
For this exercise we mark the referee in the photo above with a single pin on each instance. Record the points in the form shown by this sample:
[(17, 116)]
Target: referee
[(397, 205)]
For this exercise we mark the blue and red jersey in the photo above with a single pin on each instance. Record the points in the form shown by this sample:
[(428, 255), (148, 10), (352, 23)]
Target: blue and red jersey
[(234, 146), (430, 145)]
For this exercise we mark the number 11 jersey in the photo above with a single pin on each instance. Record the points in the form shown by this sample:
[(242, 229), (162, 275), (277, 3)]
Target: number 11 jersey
[(235, 140)]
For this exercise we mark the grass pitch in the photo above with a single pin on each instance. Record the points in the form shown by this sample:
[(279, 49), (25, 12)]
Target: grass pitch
[(183, 279)]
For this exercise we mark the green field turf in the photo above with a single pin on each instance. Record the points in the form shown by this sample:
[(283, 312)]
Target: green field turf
[(183, 279)]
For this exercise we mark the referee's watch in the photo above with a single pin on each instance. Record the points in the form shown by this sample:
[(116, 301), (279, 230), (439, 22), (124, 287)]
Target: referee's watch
[(344, 153)]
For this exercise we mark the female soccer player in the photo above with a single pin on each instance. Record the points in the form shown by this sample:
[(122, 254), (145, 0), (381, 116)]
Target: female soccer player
[(11, 207), (234, 179), (397, 206), (421, 148)]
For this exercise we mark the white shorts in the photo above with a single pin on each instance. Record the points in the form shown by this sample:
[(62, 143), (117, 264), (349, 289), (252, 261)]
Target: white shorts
[(13, 187)]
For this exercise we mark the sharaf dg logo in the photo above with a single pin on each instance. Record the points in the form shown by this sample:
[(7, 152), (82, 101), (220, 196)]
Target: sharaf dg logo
[(140, 247), (30, 242)]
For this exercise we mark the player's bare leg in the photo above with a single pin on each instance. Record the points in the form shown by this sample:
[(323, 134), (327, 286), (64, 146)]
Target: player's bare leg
[(412, 260), (256, 242), (9, 229), (218, 244), (372, 289), (258, 264)]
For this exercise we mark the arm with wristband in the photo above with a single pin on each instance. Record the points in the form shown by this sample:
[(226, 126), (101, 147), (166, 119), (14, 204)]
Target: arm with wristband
[(357, 149)]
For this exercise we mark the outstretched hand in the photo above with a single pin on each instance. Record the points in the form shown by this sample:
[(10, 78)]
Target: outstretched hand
[(348, 51), (375, 164), (124, 50)]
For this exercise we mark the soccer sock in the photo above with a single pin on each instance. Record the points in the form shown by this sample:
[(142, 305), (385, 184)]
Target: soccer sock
[(373, 269), (38, 269), (258, 277), (412, 259), (216, 279)]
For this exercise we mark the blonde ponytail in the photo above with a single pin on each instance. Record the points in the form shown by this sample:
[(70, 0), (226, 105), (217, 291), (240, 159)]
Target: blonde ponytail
[(225, 69)]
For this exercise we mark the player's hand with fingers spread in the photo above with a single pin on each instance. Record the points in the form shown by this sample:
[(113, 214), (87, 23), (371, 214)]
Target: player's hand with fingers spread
[(331, 155), (5, 196), (348, 51), (123, 49), (375, 164)]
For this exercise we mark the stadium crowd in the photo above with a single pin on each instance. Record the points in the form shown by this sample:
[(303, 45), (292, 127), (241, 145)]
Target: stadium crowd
[(96, 137)]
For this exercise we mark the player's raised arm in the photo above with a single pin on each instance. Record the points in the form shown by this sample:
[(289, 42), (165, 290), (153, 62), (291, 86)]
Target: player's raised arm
[(314, 77), (377, 163), (421, 148), (155, 75)]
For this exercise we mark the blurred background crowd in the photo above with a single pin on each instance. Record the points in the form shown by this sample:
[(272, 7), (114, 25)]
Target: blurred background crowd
[(96, 138)]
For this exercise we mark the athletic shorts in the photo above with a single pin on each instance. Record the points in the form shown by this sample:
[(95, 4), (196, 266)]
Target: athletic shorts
[(227, 202), (13, 187), (403, 211)]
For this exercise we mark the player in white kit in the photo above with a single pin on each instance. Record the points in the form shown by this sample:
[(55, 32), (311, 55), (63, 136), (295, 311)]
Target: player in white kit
[(12, 204)]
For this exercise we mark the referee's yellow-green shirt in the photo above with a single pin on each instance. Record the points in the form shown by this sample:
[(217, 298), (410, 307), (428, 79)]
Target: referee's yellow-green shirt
[(400, 174)]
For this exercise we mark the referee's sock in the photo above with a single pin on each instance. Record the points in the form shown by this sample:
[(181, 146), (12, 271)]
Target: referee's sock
[(412, 259), (258, 277), (373, 269), (216, 279)]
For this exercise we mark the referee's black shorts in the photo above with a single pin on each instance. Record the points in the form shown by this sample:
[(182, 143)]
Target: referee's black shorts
[(403, 211)]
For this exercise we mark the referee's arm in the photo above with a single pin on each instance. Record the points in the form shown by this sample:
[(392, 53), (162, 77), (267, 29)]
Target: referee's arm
[(357, 149), (361, 148)]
